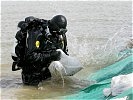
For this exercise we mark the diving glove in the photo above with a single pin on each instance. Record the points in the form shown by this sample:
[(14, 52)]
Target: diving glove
[(55, 55)]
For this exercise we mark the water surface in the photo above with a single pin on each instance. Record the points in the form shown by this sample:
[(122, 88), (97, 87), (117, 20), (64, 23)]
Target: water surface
[(97, 32)]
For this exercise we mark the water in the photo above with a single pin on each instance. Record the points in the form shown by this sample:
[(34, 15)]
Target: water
[(97, 31)]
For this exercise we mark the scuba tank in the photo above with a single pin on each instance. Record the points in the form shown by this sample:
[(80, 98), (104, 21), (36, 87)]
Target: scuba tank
[(19, 46)]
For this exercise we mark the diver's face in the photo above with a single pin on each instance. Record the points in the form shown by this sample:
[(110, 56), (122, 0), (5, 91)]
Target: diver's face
[(54, 30)]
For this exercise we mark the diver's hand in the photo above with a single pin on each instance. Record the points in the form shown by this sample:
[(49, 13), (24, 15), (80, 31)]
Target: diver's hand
[(55, 55)]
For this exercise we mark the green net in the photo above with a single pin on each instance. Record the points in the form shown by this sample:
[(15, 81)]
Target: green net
[(103, 80)]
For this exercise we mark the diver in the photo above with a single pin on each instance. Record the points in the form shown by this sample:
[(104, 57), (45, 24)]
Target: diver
[(37, 42)]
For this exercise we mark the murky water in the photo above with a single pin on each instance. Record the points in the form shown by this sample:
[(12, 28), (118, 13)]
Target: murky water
[(97, 31)]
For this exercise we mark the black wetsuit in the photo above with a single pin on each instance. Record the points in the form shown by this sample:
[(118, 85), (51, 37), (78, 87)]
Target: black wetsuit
[(34, 61)]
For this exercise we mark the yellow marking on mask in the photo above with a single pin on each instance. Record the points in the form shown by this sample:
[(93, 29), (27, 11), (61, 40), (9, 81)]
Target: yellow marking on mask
[(37, 44)]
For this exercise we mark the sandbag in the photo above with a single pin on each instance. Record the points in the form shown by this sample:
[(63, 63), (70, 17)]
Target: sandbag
[(119, 84), (66, 66)]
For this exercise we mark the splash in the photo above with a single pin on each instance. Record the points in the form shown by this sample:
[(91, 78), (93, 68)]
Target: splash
[(56, 69)]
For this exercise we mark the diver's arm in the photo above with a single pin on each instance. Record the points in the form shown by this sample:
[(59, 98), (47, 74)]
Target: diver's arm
[(38, 57), (43, 57), (65, 50)]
